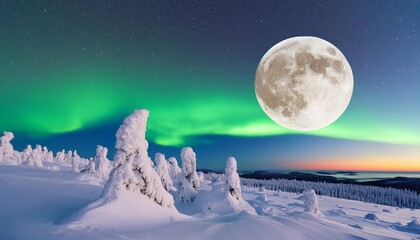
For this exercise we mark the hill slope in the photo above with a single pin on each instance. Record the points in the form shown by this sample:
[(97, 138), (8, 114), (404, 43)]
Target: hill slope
[(36, 203)]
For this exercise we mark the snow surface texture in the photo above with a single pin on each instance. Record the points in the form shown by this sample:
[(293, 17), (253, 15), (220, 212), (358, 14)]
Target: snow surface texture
[(190, 182), (232, 178), (36, 201), (128, 212)]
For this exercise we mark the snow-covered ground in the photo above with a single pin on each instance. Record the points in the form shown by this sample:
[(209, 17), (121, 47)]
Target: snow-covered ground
[(39, 203)]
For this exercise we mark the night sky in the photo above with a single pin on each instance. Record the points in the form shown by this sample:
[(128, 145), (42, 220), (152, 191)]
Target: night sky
[(70, 71)]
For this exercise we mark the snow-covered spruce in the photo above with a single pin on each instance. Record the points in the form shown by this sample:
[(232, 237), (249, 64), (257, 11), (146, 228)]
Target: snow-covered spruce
[(134, 197), (35, 159), (47, 156), (310, 202), (190, 181), (75, 162), (133, 171), (370, 194), (175, 170), (232, 178), (26, 153), (68, 159), (60, 157), (162, 169), (189, 167), (213, 177), (78, 162), (202, 178), (7, 154), (100, 166)]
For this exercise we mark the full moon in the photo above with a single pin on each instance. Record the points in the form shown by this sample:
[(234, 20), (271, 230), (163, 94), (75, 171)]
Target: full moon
[(304, 83)]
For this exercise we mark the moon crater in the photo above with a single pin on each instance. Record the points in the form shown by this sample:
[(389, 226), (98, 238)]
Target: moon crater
[(304, 83)]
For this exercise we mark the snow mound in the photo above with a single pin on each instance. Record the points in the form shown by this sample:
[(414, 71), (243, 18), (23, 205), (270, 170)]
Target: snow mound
[(411, 227), (356, 226), (89, 179), (263, 198), (219, 201), (336, 212), (372, 217), (130, 211), (414, 224)]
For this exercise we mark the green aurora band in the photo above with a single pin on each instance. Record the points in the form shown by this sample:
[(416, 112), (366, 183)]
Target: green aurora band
[(181, 107)]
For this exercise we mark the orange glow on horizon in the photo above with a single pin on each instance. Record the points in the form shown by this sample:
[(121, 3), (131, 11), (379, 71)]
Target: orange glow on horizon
[(364, 164)]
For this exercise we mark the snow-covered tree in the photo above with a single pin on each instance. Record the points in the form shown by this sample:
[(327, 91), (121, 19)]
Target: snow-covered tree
[(162, 169), (190, 182), (26, 153), (232, 178), (189, 167), (370, 194), (7, 154), (310, 202), (133, 170), (76, 162), (60, 157), (47, 156), (201, 176), (68, 159), (35, 159), (6, 147), (90, 168), (100, 166), (175, 170), (102, 163), (213, 177)]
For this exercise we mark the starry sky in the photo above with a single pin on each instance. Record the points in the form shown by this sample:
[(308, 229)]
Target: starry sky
[(70, 71)]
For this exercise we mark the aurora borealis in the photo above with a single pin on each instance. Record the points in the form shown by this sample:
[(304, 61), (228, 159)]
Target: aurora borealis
[(70, 71)]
